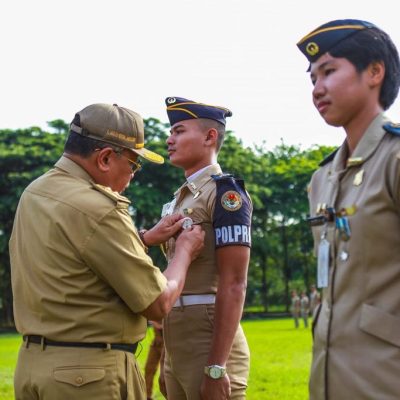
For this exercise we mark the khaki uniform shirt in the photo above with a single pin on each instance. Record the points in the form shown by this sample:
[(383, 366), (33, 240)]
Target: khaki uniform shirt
[(79, 270), (197, 200), (356, 352)]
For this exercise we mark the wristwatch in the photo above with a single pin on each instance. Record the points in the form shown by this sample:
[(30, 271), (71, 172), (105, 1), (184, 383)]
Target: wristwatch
[(215, 371), (141, 236)]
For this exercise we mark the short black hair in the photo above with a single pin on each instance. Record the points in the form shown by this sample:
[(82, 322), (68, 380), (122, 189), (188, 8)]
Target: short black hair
[(368, 46), (220, 128)]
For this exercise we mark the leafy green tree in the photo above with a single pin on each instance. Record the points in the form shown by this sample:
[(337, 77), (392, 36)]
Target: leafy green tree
[(276, 180), (24, 155)]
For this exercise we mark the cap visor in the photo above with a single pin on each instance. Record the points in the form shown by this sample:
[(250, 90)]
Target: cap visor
[(149, 155)]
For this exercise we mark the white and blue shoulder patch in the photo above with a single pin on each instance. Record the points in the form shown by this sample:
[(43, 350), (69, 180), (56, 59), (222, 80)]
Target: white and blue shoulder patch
[(232, 214), (393, 128)]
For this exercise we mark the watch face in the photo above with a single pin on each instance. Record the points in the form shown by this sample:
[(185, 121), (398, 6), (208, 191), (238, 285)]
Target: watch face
[(215, 373)]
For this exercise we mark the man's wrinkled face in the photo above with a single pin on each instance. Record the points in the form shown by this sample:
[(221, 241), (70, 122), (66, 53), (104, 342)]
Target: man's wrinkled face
[(124, 166)]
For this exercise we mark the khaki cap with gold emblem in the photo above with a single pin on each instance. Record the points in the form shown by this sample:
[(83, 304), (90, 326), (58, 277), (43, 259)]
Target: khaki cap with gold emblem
[(115, 125)]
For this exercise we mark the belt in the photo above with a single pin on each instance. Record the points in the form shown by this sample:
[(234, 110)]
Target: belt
[(194, 299), (131, 348)]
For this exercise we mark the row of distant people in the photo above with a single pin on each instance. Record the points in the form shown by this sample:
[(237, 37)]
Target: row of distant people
[(302, 306)]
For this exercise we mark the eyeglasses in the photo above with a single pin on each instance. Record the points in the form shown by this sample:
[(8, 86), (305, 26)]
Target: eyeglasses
[(135, 165)]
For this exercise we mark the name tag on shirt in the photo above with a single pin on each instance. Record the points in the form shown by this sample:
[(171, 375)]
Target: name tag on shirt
[(168, 208), (323, 264)]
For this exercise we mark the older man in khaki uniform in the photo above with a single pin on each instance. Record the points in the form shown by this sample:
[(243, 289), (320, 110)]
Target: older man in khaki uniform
[(206, 351), (355, 214), (82, 281)]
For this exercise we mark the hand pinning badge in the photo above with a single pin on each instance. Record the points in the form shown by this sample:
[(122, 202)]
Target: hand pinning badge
[(187, 223)]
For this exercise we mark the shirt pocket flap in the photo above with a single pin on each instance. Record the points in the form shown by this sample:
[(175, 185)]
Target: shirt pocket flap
[(381, 324), (77, 376)]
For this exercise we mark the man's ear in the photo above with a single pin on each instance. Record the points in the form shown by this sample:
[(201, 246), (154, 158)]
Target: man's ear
[(103, 159), (211, 137)]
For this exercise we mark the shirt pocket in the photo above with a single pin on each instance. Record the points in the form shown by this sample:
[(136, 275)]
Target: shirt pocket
[(380, 324)]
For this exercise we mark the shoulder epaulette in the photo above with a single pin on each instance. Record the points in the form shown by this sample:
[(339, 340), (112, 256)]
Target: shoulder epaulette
[(393, 128), (329, 158), (111, 194)]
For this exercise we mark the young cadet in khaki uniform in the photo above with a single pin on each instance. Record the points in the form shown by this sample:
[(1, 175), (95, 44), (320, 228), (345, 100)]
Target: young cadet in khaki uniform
[(206, 351), (355, 213), (81, 279)]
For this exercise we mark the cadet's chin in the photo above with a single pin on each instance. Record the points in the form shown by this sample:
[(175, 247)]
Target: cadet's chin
[(172, 161)]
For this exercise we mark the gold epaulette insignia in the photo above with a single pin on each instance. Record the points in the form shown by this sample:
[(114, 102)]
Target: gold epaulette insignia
[(107, 191)]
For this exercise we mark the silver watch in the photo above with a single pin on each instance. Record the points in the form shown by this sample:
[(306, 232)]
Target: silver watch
[(215, 371)]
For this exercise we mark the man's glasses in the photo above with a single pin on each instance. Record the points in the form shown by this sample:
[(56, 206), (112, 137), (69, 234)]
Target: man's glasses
[(135, 165)]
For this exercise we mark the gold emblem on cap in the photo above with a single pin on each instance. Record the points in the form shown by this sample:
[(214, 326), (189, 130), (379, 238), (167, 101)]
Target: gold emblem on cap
[(312, 48), (171, 100), (121, 136)]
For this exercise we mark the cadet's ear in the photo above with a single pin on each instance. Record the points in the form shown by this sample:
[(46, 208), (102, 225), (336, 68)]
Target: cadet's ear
[(103, 159), (211, 137), (376, 72)]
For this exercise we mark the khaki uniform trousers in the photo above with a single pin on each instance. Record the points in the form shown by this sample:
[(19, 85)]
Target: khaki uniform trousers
[(187, 335), (60, 373)]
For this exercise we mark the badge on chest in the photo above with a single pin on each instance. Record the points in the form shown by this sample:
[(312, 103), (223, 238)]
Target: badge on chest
[(168, 208)]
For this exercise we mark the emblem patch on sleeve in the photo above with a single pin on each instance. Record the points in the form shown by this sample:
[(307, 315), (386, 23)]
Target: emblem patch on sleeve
[(232, 213), (231, 200)]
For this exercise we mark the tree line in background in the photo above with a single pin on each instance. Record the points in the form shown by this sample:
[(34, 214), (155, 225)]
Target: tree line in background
[(282, 256)]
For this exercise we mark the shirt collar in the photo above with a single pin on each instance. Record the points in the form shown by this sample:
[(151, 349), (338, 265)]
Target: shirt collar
[(67, 165), (197, 180), (365, 147)]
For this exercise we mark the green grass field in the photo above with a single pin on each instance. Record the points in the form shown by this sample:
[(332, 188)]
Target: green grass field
[(280, 360)]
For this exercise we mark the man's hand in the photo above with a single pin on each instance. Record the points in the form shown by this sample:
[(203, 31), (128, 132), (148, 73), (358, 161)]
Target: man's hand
[(215, 389), (167, 227), (190, 240)]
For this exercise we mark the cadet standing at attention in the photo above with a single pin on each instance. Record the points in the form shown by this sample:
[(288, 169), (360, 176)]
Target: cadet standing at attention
[(355, 214), (207, 355), (83, 285)]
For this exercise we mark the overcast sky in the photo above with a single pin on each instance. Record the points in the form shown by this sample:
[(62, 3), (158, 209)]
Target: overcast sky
[(59, 56)]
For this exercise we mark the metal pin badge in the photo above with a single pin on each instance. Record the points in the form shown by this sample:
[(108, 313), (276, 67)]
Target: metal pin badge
[(343, 255), (187, 223), (358, 178)]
